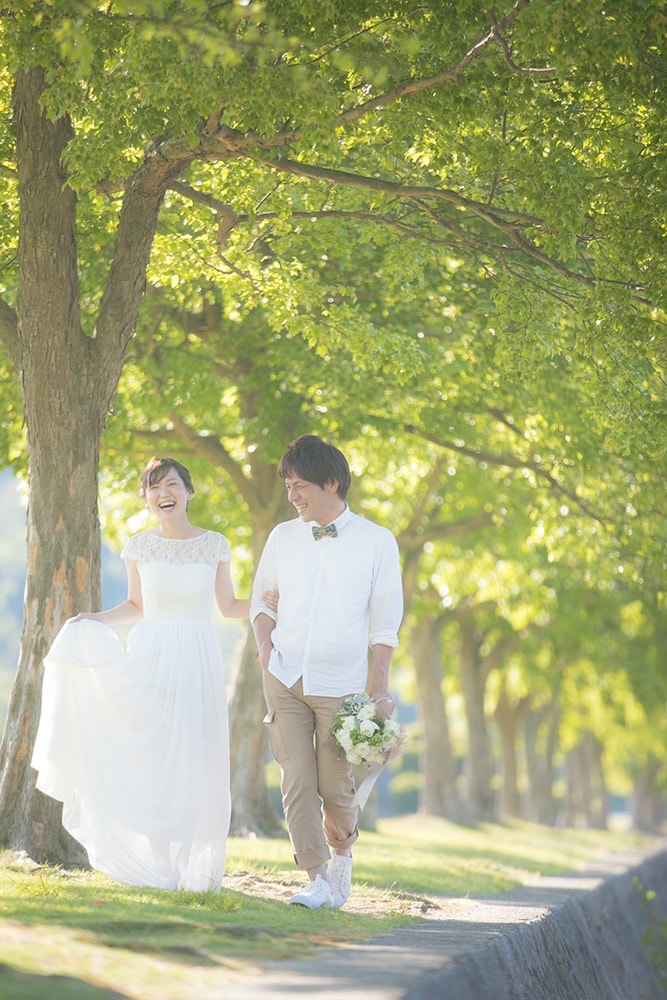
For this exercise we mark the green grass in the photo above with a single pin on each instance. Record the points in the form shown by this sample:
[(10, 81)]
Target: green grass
[(149, 944)]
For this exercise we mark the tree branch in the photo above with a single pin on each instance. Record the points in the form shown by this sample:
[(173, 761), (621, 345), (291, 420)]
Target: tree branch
[(230, 219), (491, 214), (452, 75), (212, 449), (510, 462), (239, 142), (126, 279), (505, 221), (412, 536)]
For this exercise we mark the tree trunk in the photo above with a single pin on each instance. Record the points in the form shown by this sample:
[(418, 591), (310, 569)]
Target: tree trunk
[(266, 499), (506, 721), (479, 764), (252, 811), (64, 561), (508, 716), (62, 413), (542, 807), (599, 809), (578, 788), (648, 803), (439, 794), (587, 793), (68, 381)]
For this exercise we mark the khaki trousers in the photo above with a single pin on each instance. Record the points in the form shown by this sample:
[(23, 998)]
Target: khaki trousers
[(319, 797)]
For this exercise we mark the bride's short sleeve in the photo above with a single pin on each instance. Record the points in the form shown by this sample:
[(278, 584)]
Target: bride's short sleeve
[(224, 549), (132, 548)]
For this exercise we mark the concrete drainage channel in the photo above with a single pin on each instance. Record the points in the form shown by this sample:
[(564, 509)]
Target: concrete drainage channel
[(595, 934), (608, 943)]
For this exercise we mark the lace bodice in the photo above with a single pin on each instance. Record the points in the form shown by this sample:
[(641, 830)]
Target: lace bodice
[(209, 548), (178, 574)]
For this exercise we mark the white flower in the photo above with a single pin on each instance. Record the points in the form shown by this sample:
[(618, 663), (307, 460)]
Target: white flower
[(367, 711), (367, 727)]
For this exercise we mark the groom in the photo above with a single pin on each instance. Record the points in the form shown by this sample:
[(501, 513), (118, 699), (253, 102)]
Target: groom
[(339, 581)]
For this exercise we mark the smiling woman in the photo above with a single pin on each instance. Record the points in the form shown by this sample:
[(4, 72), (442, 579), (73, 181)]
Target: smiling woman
[(134, 741), (166, 486)]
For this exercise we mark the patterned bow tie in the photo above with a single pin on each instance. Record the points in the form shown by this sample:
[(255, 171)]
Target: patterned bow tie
[(321, 532)]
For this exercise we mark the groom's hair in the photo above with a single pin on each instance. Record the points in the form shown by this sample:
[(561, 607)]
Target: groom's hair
[(316, 461), (158, 468)]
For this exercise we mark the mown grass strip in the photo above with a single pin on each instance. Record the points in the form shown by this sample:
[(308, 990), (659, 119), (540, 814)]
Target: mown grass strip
[(150, 944)]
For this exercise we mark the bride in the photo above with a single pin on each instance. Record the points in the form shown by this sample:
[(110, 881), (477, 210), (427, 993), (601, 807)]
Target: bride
[(134, 741)]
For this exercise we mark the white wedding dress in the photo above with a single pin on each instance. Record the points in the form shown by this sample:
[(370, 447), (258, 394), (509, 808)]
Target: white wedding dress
[(135, 741)]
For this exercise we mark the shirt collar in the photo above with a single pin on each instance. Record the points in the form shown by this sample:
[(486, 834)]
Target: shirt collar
[(342, 518), (340, 521)]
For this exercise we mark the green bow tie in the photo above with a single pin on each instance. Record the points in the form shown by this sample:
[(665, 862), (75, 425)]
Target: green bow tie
[(321, 532)]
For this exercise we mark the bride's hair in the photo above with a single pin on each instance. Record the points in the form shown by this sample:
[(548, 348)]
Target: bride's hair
[(158, 468)]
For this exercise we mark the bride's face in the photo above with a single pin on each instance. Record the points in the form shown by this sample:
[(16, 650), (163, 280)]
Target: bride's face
[(168, 498)]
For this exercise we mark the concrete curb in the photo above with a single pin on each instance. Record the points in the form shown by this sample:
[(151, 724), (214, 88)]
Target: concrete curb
[(587, 935), (606, 944)]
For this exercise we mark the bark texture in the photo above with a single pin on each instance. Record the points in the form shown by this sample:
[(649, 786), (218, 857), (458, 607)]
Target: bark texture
[(68, 381)]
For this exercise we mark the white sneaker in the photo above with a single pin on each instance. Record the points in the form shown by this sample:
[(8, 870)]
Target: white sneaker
[(316, 894), (339, 873)]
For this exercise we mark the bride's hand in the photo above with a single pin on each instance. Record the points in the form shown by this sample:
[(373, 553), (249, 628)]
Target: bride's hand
[(271, 598), (84, 615)]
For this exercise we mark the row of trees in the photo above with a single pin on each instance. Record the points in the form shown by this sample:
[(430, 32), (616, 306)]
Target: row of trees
[(533, 611), (433, 234)]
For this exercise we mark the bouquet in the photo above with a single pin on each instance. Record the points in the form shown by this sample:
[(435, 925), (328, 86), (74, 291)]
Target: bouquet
[(365, 734)]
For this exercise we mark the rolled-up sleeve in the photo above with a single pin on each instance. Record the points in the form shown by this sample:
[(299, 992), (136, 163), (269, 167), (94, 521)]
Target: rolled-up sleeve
[(386, 605)]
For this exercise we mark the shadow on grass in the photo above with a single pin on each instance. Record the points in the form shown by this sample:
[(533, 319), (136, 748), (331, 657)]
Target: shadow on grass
[(17, 985)]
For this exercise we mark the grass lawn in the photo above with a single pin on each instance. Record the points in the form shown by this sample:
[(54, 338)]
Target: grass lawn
[(104, 939)]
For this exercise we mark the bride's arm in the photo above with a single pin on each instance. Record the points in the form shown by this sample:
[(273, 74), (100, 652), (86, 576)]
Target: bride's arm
[(128, 611), (230, 605)]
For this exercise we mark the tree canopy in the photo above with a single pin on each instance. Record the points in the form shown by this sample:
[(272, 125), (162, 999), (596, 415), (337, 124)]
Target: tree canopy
[(431, 232)]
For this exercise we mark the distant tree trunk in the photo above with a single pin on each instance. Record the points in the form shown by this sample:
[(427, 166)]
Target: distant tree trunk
[(266, 499), (508, 716), (252, 811), (648, 800), (439, 794), (540, 751), (479, 763), (600, 804), (587, 796), (68, 382)]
